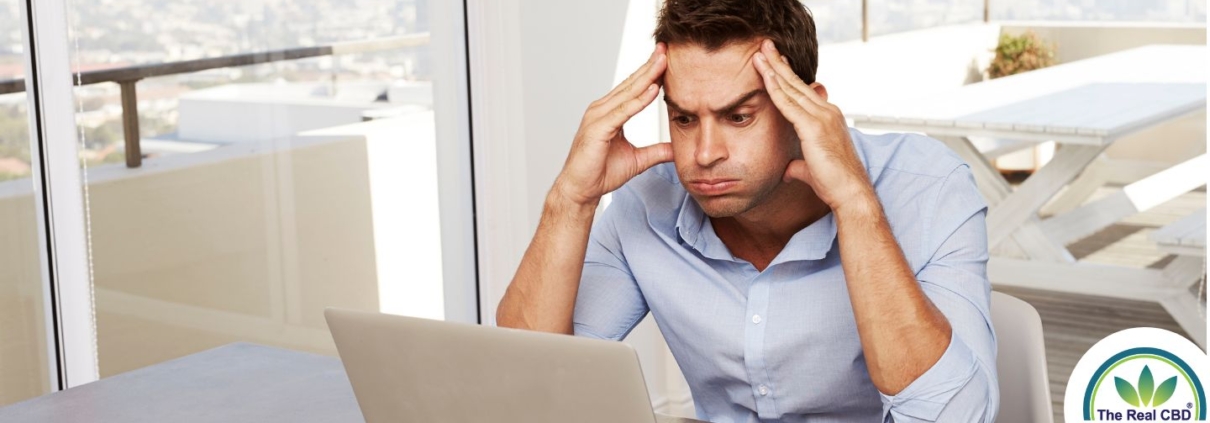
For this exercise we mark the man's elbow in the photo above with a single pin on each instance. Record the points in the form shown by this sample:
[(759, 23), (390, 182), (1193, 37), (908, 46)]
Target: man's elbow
[(982, 395), (509, 314), (977, 400), (508, 317)]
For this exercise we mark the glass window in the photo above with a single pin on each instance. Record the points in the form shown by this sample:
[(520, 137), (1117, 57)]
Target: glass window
[(24, 361), (282, 159)]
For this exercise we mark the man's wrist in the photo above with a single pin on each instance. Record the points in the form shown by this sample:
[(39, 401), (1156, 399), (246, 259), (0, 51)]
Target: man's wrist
[(862, 205), (558, 200)]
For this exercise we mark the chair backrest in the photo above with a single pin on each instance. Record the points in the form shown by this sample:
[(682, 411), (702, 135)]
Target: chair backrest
[(1020, 362)]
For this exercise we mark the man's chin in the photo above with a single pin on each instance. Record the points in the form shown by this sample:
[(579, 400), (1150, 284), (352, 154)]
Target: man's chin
[(722, 205)]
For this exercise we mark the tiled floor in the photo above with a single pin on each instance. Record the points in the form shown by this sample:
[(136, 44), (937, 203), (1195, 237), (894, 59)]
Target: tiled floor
[(1073, 323)]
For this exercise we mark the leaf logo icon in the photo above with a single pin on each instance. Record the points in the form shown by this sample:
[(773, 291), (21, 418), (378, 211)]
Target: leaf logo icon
[(1147, 394), (1164, 392)]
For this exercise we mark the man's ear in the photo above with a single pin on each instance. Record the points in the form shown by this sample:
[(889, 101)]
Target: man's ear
[(821, 90)]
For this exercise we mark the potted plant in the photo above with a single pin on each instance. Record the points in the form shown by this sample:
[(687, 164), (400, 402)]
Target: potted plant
[(1016, 54), (1020, 53)]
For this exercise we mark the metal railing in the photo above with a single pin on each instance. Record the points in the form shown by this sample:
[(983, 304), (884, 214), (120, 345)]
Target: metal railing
[(127, 77)]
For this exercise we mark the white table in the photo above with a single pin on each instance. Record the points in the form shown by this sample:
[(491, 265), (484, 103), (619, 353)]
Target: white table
[(235, 383), (1186, 238), (1083, 106)]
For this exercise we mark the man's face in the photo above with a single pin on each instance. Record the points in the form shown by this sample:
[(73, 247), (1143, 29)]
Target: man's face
[(730, 143)]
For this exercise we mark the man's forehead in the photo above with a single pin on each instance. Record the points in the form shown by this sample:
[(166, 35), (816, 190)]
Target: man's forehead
[(698, 78)]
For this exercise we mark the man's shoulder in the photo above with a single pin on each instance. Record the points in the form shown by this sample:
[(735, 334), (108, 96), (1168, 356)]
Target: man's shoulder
[(905, 153), (926, 189)]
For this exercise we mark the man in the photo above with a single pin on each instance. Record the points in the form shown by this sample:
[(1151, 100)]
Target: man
[(799, 270)]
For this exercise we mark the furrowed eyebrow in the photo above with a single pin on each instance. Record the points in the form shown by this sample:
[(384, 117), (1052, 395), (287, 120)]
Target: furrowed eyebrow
[(672, 105), (720, 111), (738, 102)]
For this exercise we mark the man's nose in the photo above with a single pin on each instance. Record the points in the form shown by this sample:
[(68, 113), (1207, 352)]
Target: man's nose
[(711, 148)]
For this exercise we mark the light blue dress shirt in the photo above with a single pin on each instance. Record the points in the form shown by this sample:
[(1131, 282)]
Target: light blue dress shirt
[(782, 345)]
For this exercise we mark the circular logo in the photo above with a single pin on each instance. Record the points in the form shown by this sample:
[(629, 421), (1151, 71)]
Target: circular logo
[(1139, 374)]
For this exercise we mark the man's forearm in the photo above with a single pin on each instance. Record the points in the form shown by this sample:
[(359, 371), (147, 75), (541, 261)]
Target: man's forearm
[(542, 294), (902, 333)]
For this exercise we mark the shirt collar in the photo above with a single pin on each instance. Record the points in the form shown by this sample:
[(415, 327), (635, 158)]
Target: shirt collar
[(697, 232), (810, 243)]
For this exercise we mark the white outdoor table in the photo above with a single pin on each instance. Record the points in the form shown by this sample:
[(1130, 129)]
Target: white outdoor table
[(1185, 238), (1083, 106)]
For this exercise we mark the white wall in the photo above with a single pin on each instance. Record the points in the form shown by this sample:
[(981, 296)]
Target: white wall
[(568, 54), (1081, 40), (253, 112), (401, 160), (245, 242), (906, 64), (536, 65)]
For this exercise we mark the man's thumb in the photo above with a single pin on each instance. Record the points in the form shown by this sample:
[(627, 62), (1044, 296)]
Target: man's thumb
[(654, 154), (796, 170)]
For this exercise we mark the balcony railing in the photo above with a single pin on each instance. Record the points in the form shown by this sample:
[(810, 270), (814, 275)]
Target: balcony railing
[(127, 77)]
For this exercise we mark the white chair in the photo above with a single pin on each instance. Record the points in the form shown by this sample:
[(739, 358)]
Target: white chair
[(1020, 362)]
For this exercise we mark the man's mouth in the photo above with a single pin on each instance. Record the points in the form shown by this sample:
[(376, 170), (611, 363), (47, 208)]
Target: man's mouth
[(712, 186)]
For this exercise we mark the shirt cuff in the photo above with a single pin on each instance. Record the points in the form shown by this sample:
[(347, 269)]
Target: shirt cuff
[(924, 398)]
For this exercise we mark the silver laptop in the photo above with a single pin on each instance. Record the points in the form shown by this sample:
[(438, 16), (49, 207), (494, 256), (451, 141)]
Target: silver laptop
[(406, 369)]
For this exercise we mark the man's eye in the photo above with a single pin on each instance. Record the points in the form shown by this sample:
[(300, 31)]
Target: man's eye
[(739, 118), (682, 120)]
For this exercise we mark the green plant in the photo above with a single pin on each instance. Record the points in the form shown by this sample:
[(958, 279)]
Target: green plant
[(1146, 394), (1021, 53)]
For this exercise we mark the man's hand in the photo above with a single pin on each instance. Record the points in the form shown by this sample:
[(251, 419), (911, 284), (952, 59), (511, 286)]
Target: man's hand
[(902, 332), (542, 295), (830, 164), (601, 159)]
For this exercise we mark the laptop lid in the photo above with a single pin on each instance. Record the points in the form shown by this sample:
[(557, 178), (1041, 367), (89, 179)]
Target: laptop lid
[(406, 369)]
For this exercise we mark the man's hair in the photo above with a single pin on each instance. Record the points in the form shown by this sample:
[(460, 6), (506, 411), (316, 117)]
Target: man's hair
[(714, 24)]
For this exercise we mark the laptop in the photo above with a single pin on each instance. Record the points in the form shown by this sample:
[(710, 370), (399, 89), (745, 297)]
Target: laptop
[(406, 369)]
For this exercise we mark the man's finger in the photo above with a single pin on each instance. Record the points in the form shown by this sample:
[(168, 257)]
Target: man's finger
[(630, 78), (791, 89), (625, 110), (652, 155), (796, 170), (788, 106), (782, 67), (637, 87), (801, 93), (780, 63), (637, 78)]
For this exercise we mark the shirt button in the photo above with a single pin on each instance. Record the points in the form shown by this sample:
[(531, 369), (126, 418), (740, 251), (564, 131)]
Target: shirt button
[(764, 390), (756, 319)]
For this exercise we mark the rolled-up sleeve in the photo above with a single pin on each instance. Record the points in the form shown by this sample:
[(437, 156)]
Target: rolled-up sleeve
[(609, 303), (962, 385)]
